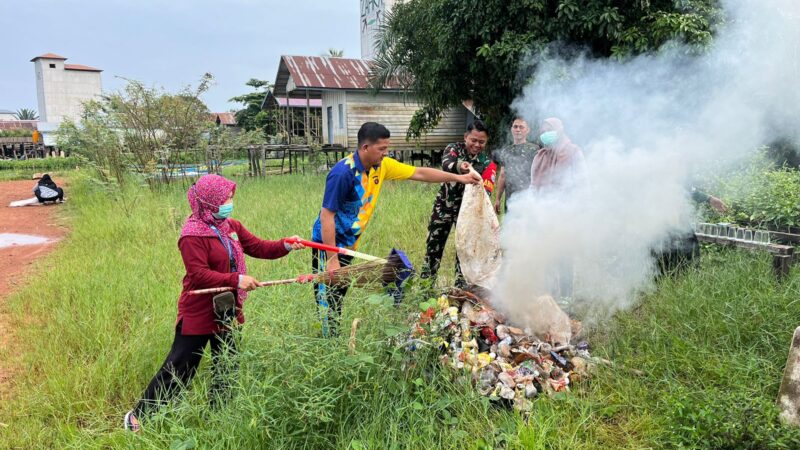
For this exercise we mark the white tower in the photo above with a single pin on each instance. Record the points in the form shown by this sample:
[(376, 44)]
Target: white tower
[(373, 13), (61, 88)]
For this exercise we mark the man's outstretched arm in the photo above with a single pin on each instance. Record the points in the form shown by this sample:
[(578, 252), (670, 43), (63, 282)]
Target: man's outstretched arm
[(429, 175)]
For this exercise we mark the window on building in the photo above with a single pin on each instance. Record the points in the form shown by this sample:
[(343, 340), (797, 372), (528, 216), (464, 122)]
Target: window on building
[(341, 116), (52, 66)]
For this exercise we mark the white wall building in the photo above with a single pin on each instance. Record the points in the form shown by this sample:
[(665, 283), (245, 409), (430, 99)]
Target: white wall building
[(61, 88), (373, 13)]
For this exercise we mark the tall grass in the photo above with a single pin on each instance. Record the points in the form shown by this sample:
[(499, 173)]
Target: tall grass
[(97, 318)]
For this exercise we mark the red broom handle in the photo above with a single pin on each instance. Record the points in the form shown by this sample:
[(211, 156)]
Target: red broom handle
[(339, 250)]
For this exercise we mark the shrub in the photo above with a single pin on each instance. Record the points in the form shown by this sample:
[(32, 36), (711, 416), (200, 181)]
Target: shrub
[(16, 133), (40, 165), (759, 194)]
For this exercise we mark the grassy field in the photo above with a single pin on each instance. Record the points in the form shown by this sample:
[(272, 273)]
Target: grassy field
[(97, 320)]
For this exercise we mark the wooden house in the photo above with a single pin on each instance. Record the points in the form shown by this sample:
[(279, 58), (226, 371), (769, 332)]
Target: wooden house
[(342, 86), (224, 119)]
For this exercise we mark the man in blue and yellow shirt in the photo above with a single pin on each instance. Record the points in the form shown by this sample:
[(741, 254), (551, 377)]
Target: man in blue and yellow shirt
[(352, 190)]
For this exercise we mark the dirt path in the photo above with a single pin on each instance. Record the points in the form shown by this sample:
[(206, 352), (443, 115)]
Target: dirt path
[(16, 259)]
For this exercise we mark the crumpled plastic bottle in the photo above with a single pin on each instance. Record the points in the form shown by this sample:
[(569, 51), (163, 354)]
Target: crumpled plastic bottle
[(507, 393), (487, 378), (530, 391)]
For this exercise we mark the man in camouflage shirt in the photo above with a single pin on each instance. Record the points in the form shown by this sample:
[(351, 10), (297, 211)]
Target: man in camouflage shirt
[(514, 162), (457, 158)]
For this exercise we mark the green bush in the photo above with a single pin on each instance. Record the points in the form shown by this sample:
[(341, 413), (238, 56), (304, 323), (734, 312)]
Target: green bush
[(16, 133), (759, 194), (43, 164)]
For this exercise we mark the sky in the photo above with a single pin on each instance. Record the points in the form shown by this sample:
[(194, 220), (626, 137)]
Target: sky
[(170, 43)]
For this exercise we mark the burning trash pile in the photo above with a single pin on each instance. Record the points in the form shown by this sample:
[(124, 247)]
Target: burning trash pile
[(507, 364)]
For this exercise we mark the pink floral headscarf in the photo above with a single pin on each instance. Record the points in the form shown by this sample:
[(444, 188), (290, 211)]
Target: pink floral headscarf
[(205, 197)]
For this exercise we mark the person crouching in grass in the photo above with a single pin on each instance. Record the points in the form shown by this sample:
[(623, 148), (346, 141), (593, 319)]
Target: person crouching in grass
[(212, 246)]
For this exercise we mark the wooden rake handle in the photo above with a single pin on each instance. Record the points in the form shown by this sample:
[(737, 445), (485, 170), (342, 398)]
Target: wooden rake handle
[(301, 279)]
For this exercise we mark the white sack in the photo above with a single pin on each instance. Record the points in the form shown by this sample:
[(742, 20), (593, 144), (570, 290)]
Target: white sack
[(477, 238)]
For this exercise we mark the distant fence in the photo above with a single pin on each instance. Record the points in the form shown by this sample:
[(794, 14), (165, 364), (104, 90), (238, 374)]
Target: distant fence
[(271, 159), (275, 159)]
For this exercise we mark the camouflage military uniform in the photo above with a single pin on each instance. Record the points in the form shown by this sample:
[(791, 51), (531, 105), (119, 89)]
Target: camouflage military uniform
[(446, 207), (517, 160)]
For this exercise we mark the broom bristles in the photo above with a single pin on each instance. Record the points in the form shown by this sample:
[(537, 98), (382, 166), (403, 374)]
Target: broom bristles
[(367, 273)]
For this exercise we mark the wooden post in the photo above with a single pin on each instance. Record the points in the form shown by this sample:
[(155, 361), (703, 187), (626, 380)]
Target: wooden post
[(262, 161), (781, 264), (289, 122), (307, 131), (251, 167)]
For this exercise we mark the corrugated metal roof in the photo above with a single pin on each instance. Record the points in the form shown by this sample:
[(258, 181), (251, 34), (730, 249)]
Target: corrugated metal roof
[(225, 118), (49, 56), (322, 72), (81, 67)]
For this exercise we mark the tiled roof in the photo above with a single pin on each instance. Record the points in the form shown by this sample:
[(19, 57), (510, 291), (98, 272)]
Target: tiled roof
[(225, 118), (81, 67), (18, 124), (49, 56)]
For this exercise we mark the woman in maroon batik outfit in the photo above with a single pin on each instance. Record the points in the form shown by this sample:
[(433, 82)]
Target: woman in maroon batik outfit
[(212, 246)]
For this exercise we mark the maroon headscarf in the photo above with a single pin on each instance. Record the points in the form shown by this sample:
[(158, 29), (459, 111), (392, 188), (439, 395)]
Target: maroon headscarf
[(554, 165), (205, 197)]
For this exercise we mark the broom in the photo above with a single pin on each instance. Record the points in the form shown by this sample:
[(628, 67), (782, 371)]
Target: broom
[(391, 271)]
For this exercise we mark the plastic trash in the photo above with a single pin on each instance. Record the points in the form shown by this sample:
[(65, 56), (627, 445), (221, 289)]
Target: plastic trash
[(509, 365), (559, 360), (507, 393), (506, 379)]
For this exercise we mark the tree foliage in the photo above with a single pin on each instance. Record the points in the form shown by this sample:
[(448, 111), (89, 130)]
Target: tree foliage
[(446, 51), (143, 128), (26, 114), (251, 117)]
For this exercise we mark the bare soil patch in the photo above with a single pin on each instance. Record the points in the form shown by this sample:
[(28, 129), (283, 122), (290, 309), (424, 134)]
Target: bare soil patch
[(16, 260)]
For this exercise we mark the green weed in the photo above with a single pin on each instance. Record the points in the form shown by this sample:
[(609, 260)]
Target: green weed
[(96, 320)]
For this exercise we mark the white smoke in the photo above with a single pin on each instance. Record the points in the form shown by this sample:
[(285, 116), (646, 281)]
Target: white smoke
[(645, 126)]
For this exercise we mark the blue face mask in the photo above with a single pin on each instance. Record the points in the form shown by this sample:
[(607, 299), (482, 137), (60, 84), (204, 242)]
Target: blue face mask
[(225, 211), (549, 138)]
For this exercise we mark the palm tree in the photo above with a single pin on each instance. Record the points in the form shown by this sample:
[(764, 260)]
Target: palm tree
[(333, 53), (26, 114), (389, 65)]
